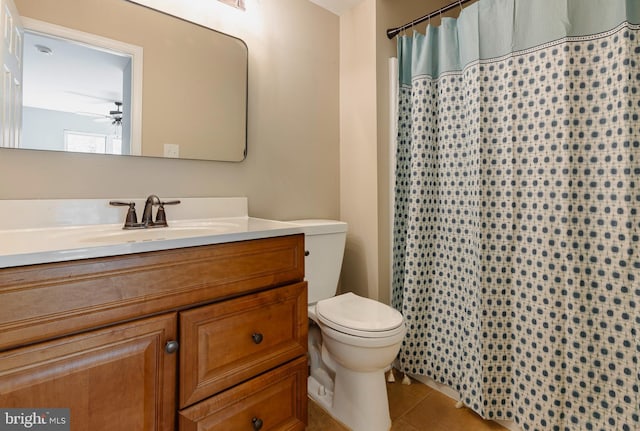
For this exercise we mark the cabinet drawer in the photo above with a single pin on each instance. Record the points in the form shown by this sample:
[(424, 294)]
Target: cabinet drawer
[(229, 342), (278, 399)]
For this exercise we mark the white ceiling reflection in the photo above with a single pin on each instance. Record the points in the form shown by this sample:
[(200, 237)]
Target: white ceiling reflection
[(72, 77)]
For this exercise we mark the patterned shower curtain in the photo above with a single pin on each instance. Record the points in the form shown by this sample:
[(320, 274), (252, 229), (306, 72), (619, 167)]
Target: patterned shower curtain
[(516, 245)]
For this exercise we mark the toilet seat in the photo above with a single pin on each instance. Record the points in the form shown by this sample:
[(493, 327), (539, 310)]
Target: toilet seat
[(362, 317)]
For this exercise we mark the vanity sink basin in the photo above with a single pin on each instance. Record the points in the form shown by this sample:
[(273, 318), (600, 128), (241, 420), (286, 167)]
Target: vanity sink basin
[(101, 235), (155, 234), (177, 230)]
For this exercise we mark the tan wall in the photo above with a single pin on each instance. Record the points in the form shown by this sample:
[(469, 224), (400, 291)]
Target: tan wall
[(358, 149), (292, 167)]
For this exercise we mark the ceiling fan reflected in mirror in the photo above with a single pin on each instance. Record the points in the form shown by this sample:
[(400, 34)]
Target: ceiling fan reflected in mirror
[(116, 115)]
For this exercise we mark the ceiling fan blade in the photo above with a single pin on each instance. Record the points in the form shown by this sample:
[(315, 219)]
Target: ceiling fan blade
[(91, 114)]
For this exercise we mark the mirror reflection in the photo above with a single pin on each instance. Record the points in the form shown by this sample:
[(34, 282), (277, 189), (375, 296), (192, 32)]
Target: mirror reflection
[(76, 96), (94, 80)]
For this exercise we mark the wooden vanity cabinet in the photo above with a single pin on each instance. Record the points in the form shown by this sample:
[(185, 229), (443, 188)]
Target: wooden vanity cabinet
[(98, 336), (115, 378)]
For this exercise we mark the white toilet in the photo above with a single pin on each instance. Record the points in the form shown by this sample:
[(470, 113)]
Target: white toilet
[(352, 340)]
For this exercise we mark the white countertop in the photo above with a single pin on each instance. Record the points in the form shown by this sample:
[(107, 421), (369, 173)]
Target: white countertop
[(57, 241)]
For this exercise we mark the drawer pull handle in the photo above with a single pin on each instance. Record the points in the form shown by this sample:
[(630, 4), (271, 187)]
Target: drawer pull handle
[(257, 423), (257, 338), (171, 346)]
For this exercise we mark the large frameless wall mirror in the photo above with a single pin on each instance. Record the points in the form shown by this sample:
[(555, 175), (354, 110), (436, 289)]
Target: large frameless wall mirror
[(116, 77)]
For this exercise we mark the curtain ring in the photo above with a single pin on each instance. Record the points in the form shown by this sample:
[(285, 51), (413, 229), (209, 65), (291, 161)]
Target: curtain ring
[(404, 31), (412, 24)]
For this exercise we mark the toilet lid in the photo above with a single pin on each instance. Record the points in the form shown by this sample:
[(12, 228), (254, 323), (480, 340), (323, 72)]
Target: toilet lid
[(351, 313)]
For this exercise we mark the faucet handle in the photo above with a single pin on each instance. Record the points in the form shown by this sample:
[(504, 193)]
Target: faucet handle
[(131, 219), (170, 203), (161, 216)]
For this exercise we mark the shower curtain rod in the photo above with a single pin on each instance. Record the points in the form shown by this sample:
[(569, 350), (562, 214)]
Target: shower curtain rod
[(393, 32)]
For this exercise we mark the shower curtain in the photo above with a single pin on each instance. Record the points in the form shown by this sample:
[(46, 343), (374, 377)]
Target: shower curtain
[(516, 231)]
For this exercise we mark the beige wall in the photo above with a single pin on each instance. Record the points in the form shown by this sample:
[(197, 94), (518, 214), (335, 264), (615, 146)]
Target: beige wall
[(358, 149), (292, 167)]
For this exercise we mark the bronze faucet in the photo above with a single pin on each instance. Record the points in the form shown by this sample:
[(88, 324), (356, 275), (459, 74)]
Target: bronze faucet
[(131, 220), (147, 214)]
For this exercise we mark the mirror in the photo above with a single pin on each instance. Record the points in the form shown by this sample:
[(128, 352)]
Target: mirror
[(183, 92)]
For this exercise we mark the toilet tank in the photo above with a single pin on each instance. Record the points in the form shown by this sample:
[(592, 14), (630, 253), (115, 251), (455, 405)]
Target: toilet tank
[(324, 242)]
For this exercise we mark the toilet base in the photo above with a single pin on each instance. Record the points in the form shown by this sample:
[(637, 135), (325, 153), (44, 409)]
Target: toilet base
[(319, 393), (359, 400)]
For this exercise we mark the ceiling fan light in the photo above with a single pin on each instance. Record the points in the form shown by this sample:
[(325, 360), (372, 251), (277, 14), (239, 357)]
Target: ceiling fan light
[(44, 50)]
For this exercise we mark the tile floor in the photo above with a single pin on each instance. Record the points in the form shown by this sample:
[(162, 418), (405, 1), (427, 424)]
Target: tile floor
[(415, 407)]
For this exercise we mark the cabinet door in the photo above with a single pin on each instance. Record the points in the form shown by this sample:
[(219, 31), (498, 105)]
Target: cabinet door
[(229, 342), (118, 378), (273, 401)]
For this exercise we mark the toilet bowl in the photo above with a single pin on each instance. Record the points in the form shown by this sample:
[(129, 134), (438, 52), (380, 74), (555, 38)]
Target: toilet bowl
[(352, 339)]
